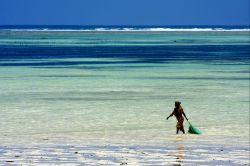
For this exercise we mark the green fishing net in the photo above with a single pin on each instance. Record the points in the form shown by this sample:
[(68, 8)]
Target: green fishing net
[(193, 130)]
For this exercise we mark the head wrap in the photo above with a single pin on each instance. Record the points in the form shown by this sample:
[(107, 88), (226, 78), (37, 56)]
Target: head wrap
[(177, 102)]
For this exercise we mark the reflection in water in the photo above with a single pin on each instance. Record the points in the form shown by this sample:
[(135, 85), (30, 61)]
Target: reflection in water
[(180, 150)]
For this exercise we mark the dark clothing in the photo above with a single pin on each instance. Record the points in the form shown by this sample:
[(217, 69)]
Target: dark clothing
[(178, 111)]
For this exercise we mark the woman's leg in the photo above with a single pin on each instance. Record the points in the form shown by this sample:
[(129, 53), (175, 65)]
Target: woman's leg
[(183, 131)]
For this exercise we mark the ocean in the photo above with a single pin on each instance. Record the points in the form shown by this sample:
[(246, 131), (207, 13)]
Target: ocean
[(117, 84)]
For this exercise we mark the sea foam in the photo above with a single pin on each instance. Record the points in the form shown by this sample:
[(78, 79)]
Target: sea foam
[(128, 29)]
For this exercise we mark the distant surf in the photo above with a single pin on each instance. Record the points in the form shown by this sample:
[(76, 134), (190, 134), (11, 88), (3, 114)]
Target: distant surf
[(122, 28)]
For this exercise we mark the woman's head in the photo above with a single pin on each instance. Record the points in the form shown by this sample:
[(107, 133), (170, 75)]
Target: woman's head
[(177, 103)]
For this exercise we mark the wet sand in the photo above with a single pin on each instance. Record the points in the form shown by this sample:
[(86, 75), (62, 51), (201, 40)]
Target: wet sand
[(176, 152)]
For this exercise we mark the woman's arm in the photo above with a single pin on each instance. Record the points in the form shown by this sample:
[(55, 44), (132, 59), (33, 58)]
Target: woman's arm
[(184, 115), (170, 115)]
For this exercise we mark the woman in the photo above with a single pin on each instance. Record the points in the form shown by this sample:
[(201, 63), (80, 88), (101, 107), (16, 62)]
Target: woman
[(178, 111)]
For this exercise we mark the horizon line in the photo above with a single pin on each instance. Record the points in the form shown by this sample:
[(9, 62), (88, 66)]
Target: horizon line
[(121, 25)]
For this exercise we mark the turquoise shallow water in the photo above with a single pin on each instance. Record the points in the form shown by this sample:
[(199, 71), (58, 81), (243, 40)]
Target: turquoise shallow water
[(123, 84)]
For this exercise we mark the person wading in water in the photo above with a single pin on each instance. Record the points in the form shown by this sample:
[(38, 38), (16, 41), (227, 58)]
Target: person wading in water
[(178, 111)]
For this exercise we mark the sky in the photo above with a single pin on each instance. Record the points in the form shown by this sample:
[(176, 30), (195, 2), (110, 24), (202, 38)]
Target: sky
[(124, 12)]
